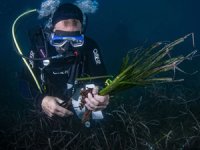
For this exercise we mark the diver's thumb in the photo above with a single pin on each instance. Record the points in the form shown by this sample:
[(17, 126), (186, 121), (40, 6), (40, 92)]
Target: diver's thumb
[(58, 100), (95, 90)]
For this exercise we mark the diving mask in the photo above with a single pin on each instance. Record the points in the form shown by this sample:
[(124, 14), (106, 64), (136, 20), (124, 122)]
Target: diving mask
[(60, 38)]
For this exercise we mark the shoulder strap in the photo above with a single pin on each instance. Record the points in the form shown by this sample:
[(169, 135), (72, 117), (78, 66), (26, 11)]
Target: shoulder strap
[(38, 46), (38, 41)]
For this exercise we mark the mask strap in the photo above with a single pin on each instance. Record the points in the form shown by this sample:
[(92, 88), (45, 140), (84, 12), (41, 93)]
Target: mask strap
[(85, 22)]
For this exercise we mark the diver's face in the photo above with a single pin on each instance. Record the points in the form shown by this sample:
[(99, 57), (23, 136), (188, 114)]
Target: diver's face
[(69, 25)]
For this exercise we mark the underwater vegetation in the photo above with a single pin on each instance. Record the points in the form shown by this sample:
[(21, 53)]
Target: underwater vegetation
[(157, 117), (142, 67), (156, 120)]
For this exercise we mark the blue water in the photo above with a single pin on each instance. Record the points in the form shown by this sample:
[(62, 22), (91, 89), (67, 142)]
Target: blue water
[(118, 26)]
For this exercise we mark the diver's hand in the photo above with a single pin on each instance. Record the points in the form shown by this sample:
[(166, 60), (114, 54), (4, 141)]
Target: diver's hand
[(51, 106), (96, 102)]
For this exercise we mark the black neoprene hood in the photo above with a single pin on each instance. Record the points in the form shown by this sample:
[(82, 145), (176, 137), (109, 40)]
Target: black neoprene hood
[(67, 11)]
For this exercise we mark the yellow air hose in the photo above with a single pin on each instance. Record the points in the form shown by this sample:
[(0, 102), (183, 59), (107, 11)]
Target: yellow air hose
[(19, 49), (25, 61)]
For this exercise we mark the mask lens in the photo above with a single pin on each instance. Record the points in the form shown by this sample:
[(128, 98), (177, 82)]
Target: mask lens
[(77, 42), (59, 41)]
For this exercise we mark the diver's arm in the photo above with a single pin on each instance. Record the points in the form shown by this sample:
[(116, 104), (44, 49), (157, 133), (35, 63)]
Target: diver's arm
[(96, 102), (53, 106), (50, 105), (94, 63), (96, 67), (28, 88)]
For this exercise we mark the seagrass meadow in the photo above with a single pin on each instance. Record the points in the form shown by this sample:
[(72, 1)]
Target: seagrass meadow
[(158, 109)]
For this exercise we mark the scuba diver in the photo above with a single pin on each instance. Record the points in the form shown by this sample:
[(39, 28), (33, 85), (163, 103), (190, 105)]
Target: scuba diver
[(60, 56)]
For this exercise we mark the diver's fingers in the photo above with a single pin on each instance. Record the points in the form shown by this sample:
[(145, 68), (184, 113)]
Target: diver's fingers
[(92, 100), (91, 103), (51, 106), (59, 100), (93, 107), (96, 102), (103, 100), (89, 107), (47, 112), (60, 111)]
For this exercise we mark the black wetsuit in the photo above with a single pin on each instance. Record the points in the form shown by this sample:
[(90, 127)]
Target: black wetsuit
[(58, 79)]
